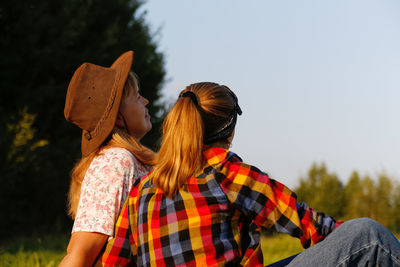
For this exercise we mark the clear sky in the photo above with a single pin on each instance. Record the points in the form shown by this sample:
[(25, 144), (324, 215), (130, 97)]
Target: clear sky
[(318, 81)]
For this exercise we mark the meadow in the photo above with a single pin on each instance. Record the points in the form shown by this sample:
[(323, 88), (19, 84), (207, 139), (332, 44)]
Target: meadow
[(48, 251)]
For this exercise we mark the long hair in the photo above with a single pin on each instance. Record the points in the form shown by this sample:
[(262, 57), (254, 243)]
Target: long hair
[(184, 128), (118, 138)]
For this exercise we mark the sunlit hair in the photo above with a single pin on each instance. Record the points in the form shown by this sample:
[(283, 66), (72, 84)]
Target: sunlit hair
[(180, 155), (118, 138)]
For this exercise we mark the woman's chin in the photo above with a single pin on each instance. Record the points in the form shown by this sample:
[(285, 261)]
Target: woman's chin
[(150, 126)]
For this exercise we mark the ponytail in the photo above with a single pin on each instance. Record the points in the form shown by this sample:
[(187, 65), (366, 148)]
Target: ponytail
[(180, 154)]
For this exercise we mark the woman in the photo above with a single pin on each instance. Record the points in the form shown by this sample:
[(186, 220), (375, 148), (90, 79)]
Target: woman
[(106, 104), (201, 205)]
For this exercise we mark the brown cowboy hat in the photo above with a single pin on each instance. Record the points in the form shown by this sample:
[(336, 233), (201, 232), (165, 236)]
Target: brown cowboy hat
[(93, 99)]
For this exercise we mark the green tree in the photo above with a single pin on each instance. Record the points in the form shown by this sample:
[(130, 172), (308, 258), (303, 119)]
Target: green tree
[(330, 198), (353, 197), (395, 226), (383, 203), (367, 208), (322, 191), (308, 185), (42, 43)]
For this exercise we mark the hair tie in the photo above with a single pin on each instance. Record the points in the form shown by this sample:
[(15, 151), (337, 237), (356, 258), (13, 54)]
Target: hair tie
[(192, 96)]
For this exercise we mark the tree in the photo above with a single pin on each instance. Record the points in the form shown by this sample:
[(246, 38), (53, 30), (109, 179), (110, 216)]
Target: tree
[(367, 208), (353, 196), (309, 185), (395, 226), (360, 197), (42, 43), (322, 191), (331, 196), (383, 204)]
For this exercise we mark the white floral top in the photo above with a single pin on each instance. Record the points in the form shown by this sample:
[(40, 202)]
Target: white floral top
[(105, 187)]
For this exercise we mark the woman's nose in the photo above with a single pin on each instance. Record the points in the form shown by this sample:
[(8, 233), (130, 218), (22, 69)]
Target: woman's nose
[(145, 101)]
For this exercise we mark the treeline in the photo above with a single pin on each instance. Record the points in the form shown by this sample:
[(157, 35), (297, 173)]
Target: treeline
[(42, 43), (362, 196)]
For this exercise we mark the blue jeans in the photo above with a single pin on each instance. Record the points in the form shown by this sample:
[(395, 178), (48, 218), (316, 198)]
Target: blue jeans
[(358, 242)]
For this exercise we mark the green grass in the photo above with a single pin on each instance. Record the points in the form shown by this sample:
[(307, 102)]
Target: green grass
[(45, 251), (279, 246), (48, 251)]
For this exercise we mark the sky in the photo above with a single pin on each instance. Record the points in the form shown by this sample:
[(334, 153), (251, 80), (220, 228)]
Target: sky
[(318, 81)]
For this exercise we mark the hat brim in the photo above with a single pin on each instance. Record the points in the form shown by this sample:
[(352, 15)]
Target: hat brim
[(122, 66)]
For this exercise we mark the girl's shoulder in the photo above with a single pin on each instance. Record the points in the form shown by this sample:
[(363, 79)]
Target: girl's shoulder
[(115, 158), (117, 154)]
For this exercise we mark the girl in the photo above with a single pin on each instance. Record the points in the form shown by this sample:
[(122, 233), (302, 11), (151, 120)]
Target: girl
[(106, 104), (202, 206)]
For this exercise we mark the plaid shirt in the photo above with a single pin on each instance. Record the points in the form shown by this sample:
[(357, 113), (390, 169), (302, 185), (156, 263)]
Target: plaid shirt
[(213, 220)]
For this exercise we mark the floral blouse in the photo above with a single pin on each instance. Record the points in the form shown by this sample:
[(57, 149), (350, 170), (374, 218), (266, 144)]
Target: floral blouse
[(105, 187)]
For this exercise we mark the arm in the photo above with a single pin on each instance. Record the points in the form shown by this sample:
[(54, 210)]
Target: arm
[(269, 203), (83, 248), (105, 186), (317, 224)]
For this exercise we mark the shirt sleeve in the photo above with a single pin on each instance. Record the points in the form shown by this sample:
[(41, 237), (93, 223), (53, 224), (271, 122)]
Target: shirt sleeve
[(104, 189), (270, 204)]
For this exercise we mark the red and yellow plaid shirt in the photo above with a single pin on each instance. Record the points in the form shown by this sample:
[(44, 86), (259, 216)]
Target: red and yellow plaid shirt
[(214, 220)]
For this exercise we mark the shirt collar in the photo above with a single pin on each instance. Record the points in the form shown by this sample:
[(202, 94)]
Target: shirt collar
[(215, 155)]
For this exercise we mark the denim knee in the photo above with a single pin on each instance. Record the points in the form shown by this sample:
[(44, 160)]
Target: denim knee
[(367, 236), (358, 242), (367, 231), (361, 226)]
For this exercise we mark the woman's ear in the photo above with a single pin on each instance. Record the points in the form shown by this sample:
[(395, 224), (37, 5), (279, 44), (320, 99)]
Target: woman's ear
[(120, 121)]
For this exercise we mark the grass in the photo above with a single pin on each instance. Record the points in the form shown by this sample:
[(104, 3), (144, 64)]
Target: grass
[(45, 251), (48, 251), (279, 246)]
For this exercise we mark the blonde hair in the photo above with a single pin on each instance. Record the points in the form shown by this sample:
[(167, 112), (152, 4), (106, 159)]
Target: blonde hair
[(118, 138), (180, 155)]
